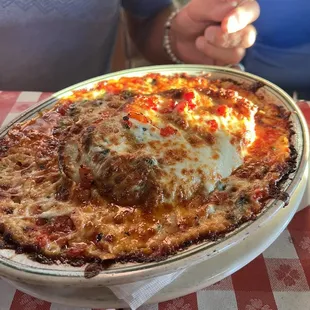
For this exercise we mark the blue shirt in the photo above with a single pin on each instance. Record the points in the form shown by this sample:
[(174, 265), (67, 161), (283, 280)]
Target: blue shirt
[(281, 52), (47, 45)]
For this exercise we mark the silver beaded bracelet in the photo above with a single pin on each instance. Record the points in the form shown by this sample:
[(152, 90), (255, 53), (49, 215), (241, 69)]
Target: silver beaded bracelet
[(166, 41)]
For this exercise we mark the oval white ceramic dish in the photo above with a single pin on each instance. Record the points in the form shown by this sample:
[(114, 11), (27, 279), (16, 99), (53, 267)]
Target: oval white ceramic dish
[(19, 268)]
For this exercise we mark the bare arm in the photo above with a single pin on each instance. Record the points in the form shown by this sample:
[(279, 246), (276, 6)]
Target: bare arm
[(147, 35)]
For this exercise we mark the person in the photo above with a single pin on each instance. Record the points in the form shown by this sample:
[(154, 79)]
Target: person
[(47, 45)]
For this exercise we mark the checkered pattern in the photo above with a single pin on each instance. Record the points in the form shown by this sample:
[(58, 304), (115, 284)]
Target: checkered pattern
[(279, 279)]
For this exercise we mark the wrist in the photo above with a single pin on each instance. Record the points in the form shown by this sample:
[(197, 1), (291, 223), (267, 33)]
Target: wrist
[(182, 33), (170, 42)]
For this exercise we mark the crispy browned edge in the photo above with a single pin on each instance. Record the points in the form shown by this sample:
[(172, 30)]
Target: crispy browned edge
[(96, 265)]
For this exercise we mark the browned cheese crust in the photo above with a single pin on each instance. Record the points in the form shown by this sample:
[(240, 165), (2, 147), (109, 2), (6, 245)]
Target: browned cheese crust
[(139, 168)]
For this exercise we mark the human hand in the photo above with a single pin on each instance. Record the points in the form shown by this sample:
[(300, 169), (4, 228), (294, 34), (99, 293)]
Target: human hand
[(214, 32)]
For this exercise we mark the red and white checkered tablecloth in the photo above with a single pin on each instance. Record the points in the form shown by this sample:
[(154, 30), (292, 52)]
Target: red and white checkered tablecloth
[(281, 273)]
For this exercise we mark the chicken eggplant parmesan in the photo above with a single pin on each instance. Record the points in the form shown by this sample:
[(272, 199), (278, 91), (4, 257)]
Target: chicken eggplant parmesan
[(138, 168)]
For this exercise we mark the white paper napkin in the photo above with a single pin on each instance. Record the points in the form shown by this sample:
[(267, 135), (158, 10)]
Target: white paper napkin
[(137, 293)]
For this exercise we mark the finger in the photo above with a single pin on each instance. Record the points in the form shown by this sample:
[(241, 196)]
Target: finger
[(245, 14), (197, 14), (243, 38), (219, 54), (210, 10)]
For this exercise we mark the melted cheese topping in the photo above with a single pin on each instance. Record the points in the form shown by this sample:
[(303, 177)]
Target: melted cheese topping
[(202, 165), (135, 168)]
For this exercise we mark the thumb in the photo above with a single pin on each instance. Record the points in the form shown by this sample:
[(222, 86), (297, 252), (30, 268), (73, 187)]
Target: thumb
[(198, 14)]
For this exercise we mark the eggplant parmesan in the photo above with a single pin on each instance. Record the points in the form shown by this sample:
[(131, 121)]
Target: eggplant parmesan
[(138, 168)]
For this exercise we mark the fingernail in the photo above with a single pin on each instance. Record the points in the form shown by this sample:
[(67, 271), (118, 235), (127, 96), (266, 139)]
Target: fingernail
[(226, 40), (210, 36), (232, 24), (233, 3), (236, 40)]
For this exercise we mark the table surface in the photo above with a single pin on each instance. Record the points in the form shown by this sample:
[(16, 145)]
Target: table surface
[(278, 279)]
